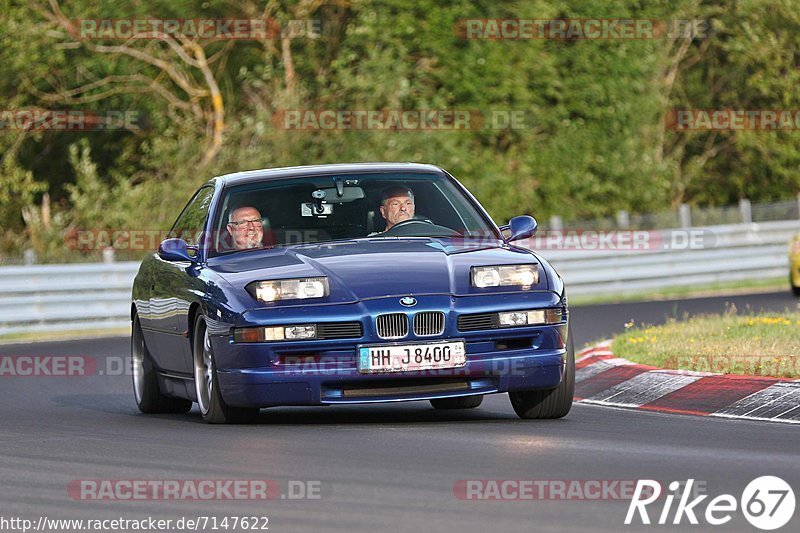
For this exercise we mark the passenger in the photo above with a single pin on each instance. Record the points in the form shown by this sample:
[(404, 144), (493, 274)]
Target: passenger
[(246, 227)]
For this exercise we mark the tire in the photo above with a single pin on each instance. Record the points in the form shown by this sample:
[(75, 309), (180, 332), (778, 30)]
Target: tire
[(462, 402), (553, 403), (209, 399), (795, 288), (146, 392)]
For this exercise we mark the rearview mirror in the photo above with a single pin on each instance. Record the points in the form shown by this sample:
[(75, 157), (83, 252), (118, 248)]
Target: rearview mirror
[(175, 250), (332, 196), (520, 227)]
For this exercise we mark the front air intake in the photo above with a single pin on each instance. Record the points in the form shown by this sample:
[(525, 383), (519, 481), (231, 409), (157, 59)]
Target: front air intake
[(428, 323), (392, 326)]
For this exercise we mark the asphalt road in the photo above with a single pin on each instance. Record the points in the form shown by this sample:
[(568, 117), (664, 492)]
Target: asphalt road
[(376, 468)]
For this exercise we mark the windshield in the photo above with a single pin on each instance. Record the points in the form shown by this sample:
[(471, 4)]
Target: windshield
[(350, 206)]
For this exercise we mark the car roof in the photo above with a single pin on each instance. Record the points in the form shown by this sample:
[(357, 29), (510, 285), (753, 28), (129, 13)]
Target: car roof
[(249, 176)]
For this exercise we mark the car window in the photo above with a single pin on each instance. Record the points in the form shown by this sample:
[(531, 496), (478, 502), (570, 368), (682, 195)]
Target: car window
[(292, 215), (190, 224)]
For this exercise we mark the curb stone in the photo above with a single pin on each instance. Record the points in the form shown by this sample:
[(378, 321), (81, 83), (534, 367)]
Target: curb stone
[(603, 379)]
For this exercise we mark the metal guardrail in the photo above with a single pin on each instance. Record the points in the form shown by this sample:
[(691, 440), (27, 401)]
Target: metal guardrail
[(65, 297), (730, 253), (97, 296)]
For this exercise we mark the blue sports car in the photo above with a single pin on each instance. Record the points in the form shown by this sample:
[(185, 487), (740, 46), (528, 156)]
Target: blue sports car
[(342, 284)]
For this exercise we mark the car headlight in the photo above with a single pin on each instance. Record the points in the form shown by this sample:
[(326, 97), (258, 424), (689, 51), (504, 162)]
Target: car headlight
[(505, 275), (275, 333), (531, 317), (289, 289)]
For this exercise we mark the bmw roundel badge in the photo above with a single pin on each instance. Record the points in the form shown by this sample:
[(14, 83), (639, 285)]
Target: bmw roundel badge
[(408, 301)]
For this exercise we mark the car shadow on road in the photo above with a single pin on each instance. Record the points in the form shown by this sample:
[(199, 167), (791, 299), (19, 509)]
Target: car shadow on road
[(400, 414), (416, 413), (105, 403)]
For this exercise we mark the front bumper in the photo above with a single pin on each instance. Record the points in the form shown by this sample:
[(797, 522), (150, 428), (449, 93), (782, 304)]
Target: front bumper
[(325, 372)]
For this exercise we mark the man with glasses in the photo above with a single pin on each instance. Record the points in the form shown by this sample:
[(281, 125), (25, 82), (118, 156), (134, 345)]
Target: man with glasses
[(245, 226)]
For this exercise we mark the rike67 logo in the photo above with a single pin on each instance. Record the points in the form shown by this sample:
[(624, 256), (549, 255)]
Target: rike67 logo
[(767, 502)]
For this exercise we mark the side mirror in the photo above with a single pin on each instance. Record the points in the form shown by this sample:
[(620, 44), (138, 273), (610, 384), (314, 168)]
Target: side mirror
[(521, 227), (175, 250)]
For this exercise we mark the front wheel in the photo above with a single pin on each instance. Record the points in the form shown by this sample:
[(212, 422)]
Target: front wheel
[(148, 396), (553, 403), (212, 406)]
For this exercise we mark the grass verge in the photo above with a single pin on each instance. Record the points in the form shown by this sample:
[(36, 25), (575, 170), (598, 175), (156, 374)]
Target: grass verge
[(11, 338), (755, 345), (729, 288)]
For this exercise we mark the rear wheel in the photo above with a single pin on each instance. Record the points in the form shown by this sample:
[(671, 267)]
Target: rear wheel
[(149, 398), (553, 403), (212, 406), (462, 402)]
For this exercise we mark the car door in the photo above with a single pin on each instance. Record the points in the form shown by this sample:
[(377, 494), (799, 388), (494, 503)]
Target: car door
[(174, 286)]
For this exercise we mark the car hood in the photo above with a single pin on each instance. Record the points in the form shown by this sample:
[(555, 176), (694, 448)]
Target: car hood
[(374, 268)]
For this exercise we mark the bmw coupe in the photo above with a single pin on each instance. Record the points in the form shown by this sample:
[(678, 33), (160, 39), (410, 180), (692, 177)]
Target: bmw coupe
[(342, 284)]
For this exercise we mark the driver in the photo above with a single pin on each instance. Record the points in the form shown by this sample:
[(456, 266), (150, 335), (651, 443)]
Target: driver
[(397, 205)]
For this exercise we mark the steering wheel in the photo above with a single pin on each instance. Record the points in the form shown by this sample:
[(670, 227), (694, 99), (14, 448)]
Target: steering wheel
[(411, 221), (418, 227)]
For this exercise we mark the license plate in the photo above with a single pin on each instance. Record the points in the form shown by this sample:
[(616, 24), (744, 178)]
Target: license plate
[(409, 357)]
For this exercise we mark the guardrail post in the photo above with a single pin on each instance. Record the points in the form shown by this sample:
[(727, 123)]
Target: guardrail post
[(798, 205), (623, 219), (685, 216), (746, 211), (556, 223), (29, 257), (108, 255)]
